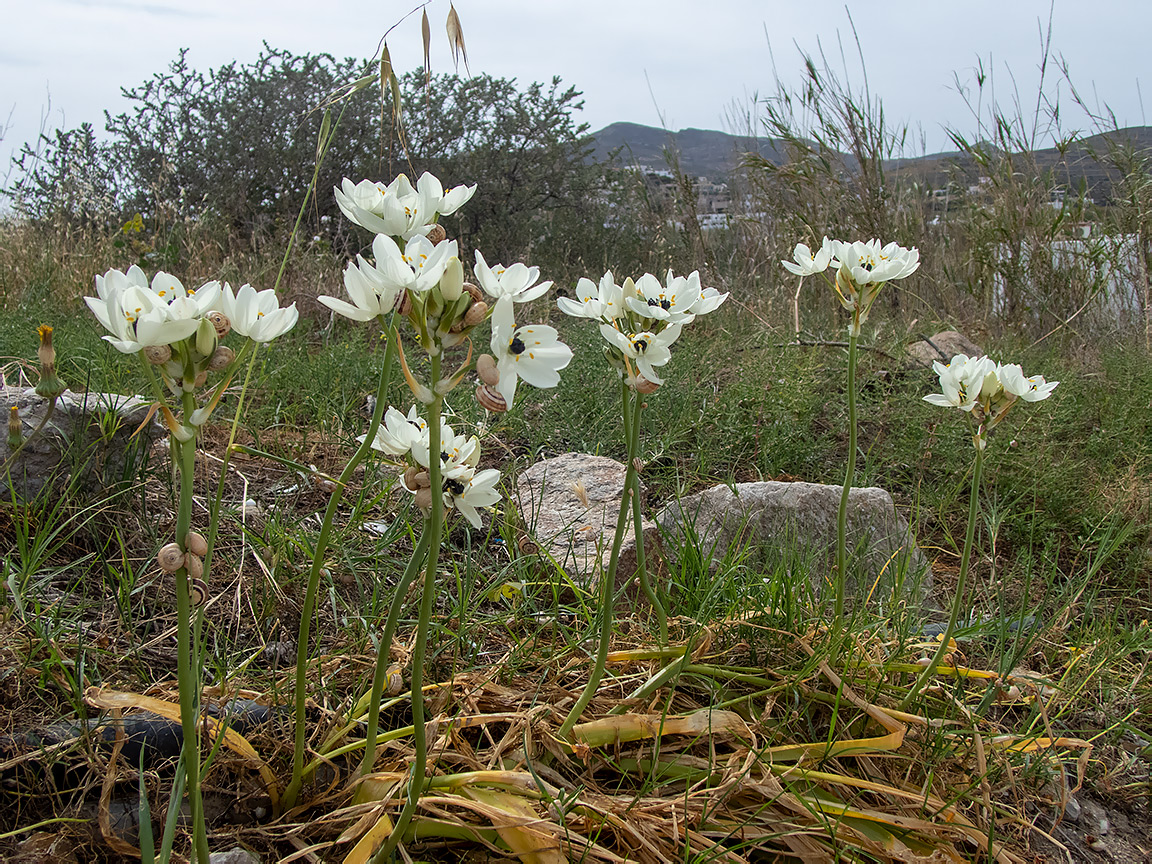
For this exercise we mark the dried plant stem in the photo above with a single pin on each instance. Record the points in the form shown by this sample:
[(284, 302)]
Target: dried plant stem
[(293, 790), (380, 674), (434, 531), (849, 477), (958, 598), (187, 659), (608, 579)]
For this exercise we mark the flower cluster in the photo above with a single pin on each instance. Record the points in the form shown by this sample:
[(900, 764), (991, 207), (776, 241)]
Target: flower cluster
[(641, 319), (398, 209), (986, 390), (861, 268), (178, 329), (462, 486)]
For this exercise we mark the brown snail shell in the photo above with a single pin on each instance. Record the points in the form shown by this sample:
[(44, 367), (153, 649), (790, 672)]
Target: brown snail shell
[(491, 399), (424, 498), (220, 323), (527, 545), (170, 558), (197, 592), (422, 480), (202, 378), (195, 543), (474, 292), (436, 234), (476, 313), (194, 565), (486, 369), (643, 385), (221, 359), (403, 304), (325, 485), (410, 477), (157, 355)]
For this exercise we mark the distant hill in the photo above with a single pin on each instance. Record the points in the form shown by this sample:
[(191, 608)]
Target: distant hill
[(712, 154), (703, 152)]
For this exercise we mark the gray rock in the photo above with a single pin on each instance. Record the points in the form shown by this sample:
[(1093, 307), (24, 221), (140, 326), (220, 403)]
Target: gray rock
[(88, 434), (237, 855), (776, 515), (943, 347), (569, 504)]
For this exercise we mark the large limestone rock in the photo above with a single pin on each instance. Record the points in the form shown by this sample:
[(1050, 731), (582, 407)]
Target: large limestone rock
[(775, 515), (569, 505), (943, 347), (90, 434)]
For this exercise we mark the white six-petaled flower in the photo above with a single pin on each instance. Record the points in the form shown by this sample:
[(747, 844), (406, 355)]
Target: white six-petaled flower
[(809, 263), (257, 314), (517, 281), (603, 302), (533, 352), (648, 349)]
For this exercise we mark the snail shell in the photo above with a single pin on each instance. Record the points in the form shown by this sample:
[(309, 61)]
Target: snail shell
[(157, 355), (491, 399), (527, 545), (220, 323), (195, 565), (221, 359), (170, 558), (197, 592), (201, 378), (395, 679), (196, 544), (403, 304), (410, 477), (476, 313), (474, 292), (486, 369), (424, 498), (436, 234), (643, 385)]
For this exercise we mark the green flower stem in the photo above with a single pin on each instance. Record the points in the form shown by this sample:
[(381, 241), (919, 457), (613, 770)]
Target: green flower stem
[(187, 660), (633, 432), (608, 580), (849, 477), (434, 531), (398, 597), (293, 790), (958, 599)]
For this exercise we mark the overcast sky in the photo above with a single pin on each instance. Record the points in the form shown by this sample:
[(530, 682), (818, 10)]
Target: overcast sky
[(683, 63)]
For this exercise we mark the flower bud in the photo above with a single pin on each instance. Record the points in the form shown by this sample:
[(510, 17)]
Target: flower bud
[(452, 282), (221, 358), (486, 369), (157, 355), (436, 234), (49, 385), (15, 429), (206, 338), (220, 323)]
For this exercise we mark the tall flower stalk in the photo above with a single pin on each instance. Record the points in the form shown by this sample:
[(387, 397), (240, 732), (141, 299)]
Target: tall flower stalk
[(861, 270), (639, 320), (416, 271), (986, 392), (177, 332)]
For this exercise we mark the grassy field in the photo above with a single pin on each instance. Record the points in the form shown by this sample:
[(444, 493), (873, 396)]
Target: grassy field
[(797, 748)]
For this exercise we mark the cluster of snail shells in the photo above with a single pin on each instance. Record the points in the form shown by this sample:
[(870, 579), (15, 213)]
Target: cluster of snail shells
[(486, 393), (171, 558), (419, 480)]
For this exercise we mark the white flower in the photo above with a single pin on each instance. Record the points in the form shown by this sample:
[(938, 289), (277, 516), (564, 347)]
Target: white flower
[(138, 316), (418, 268), (515, 281), (479, 490), (809, 263), (1032, 389), (646, 348), (709, 299), (398, 433), (370, 295), (398, 209), (603, 302), (961, 381), (870, 263), (533, 352), (459, 454), (257, 314), (670, 303)]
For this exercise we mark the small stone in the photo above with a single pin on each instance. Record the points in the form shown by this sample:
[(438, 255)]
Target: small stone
[(1097, 845), (277, 654), (1072, 811), (237, 855)]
